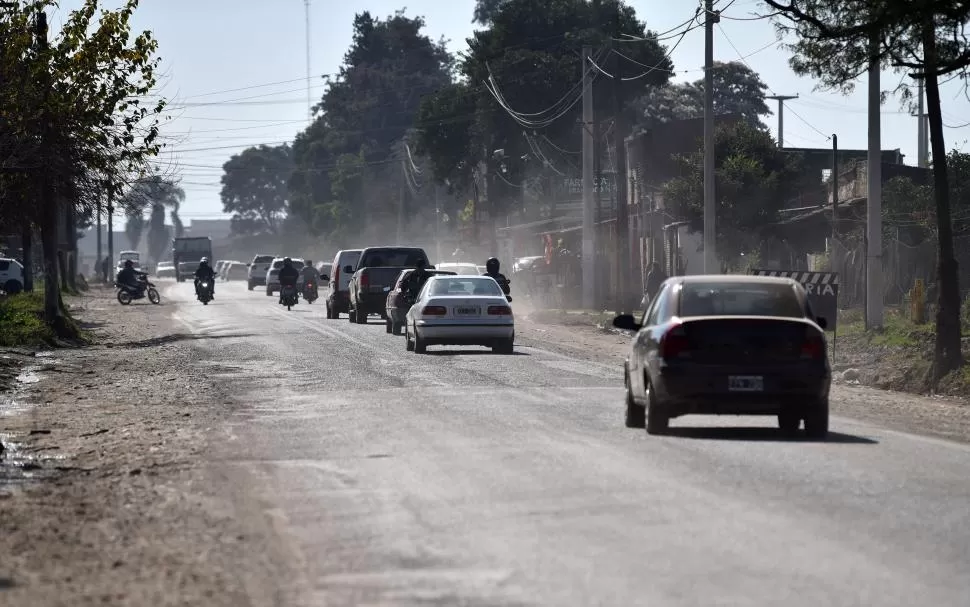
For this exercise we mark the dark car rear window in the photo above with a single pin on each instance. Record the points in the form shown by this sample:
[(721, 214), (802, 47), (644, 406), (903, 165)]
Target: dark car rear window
[(739, 299), (391, 258), (264, 258)]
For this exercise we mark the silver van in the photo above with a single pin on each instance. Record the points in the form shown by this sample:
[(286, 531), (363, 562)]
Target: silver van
[(338, 293)]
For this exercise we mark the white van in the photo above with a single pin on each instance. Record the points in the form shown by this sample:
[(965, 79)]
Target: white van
[(11, 276), (338, 288)]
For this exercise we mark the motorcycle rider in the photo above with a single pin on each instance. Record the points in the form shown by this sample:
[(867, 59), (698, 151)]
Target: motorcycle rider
[(128, 278), (205, 272), (288, 276), (491, 269), (309, 276), (417, 278)]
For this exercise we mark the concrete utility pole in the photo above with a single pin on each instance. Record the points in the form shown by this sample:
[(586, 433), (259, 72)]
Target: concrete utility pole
[(874, 196), (835, 191), (781, 99), (623, 264), (98, 258), (922, 154), (309, 95), (710, 206), (589, 208)]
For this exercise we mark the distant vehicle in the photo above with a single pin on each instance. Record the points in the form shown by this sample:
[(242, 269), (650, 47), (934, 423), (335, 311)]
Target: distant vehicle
[(273, 275), (728, 345), (338, 296), (218, 267), (377, 270), (258, 268), (186, 254), (11, 276), (133, 256), (236, 271), (399, 301), (460, 310), (466, 269), (165, 269)]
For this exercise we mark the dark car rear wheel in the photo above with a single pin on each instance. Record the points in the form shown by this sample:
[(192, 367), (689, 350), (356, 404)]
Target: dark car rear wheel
[(817, 420), (388, 326), (658, 422), (636, 416), (408, 344), (789, 422), (396, 328)]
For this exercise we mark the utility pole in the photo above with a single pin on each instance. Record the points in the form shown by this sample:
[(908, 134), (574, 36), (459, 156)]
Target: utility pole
[(922, 154), (781, 99), (622, 211), (98, 258), (589, 226), (710, 206), (874, 302), (111, 240), (309, 96), (835, 190)]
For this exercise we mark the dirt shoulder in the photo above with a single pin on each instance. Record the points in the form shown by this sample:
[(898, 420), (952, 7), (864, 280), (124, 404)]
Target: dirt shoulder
[(106, 496), (940, 416)]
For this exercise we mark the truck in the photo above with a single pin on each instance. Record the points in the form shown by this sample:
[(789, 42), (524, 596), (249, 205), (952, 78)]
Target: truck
[(186, 254), (375, 275)]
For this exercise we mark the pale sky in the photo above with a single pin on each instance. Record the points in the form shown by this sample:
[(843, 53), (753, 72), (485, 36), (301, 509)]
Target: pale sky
[(235, 75)]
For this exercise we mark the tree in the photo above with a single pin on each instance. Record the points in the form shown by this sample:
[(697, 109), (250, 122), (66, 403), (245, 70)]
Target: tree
[(753, 180), (521, 76), (835, 42), (737, 90), (343, 160), (158, 234), (75, 115), (485, 9), (149, 192), (134, 225), (254, 188)]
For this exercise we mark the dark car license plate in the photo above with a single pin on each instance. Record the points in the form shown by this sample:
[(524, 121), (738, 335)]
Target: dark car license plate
[(467, 311), (746, 383)]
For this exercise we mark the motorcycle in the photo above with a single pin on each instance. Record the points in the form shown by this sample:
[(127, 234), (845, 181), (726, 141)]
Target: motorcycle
[(288, 296), (126, 294), (205, 292), (310, 292)]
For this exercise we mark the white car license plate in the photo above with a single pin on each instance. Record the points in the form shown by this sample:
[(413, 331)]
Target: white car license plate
[(467, 311), (746, 383)]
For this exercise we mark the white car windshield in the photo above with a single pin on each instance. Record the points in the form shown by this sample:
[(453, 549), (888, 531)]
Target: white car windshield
[(739, 299), (459, 268), (465, 287)]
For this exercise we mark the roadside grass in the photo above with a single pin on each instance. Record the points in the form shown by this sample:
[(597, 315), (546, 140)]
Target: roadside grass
[(22, 323)]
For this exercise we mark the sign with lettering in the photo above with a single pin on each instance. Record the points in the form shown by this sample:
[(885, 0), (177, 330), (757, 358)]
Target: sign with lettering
[(574, 185), (822, 288)]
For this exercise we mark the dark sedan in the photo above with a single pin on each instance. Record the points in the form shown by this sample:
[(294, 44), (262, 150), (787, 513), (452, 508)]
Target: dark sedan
[(728, 345), (399, 300)]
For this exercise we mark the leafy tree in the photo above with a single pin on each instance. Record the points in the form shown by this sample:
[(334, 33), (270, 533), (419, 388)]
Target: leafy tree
[(254, 188), (74, 113), (522, 73), (134, 225), (737, 90), (485, 9), (835, 41), (753, 181), (149, 193), (342, 161)]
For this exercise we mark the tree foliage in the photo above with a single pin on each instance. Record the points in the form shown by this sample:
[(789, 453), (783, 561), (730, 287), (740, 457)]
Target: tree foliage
[(158, 233), (753, 181), (254, 188), (835, 42), (737, 90), (344, 163)]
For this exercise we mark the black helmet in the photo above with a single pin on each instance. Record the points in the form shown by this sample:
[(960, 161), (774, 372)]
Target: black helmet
[(420, 264), (129, 263), (492, 265), (308, 263), (287, 261)]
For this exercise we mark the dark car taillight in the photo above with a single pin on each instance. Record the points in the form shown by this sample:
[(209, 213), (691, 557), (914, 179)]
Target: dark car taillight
[(674, 343), (499, 310), (813, 347), (364, 281), (434, 311)]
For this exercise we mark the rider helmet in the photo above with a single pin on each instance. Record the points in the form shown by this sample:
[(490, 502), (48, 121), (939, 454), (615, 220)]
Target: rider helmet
[(287, 261), (492, 266), (420, 264), (129, 263), (204, 261)]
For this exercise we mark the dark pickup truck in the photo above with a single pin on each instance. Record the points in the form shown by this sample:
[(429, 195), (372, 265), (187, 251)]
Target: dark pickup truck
[(375, 275)]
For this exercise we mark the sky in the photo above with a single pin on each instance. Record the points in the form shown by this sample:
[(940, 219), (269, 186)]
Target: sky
[(234, 72)]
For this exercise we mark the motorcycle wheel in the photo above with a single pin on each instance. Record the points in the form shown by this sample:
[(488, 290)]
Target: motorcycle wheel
[(124, 298), (154, 297)]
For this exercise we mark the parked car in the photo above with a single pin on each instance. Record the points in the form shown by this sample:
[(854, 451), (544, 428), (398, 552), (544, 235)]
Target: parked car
[(165, 269), (466, 269), (273, 275), (258, 268), (338, 295), (11, 276), (377, 271), (219, 267), (728, 345), (460, 310), (399, 301)]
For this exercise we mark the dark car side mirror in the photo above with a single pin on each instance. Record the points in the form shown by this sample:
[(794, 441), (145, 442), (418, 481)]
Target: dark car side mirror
[(626, 322), (348, 269), (508, 297), (822, 322)]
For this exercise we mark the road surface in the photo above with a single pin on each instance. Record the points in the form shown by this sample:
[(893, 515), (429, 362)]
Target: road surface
[(466, 478)]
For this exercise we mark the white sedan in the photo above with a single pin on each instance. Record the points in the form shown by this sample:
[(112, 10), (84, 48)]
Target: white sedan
[(460, 310)]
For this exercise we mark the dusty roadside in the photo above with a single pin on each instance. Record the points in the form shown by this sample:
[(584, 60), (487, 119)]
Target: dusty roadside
[(941, 417), (106, 493)]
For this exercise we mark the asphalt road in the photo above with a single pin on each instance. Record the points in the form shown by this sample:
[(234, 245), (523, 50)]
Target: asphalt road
[(466, 478)]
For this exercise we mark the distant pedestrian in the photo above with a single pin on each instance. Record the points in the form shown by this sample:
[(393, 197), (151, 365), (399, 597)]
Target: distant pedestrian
[(655, 278), (105, 269)]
